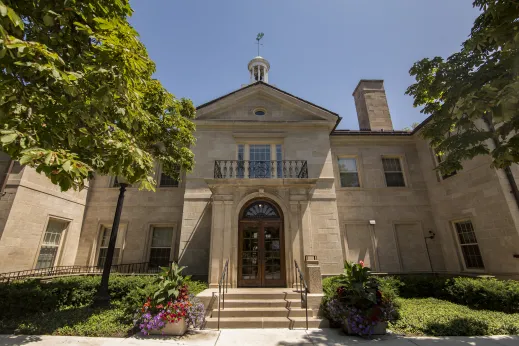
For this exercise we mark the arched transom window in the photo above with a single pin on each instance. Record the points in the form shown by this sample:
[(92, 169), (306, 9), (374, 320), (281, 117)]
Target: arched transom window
[(260, 210)]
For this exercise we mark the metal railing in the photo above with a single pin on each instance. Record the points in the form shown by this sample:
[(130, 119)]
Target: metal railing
[(222, 288), (242, 169), (128, 268), (301, 285)]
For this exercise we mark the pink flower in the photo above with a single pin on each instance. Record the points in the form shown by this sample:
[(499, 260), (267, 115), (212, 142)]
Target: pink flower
[(361, 263)]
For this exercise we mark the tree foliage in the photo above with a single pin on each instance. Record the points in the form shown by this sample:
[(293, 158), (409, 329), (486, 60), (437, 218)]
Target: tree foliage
[(472, 97), (77, 95)]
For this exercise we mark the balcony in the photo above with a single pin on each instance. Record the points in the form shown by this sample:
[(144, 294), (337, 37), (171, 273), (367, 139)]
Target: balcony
[(240, 169)]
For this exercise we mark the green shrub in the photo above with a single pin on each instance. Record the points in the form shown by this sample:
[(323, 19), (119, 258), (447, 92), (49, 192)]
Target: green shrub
[(435, 317), (482, 293), (32, 296), (86, 321), (491, 294), (419, 286)]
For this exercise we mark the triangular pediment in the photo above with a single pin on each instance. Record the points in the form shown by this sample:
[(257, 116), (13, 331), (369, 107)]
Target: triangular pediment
[(278, 105)]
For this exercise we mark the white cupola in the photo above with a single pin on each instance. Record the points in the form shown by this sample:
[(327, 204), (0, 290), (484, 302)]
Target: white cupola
[(259, 70)]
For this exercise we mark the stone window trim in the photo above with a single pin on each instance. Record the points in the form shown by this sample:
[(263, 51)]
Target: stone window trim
[(120, 242), (259, 112), (63, 240), (149, 237), (337, 168), (459, 246), (403, 170)]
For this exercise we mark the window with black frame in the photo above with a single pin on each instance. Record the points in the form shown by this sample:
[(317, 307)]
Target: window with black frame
[(348, 172), (393, 172), (160, 247)]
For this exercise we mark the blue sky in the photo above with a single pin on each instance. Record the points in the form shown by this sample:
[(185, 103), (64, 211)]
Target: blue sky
[(318, 50)]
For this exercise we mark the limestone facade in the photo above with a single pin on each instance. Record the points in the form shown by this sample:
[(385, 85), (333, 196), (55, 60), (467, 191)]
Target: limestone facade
[(324, 209)]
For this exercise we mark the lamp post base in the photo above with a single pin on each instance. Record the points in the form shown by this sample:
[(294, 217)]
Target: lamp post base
[(101, 300)]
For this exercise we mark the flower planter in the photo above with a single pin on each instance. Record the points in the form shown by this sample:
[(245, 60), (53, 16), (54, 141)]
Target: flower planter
[(178, 328), (379, 329)]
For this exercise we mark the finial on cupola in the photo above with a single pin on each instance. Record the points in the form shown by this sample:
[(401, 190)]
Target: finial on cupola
[(259, 67)]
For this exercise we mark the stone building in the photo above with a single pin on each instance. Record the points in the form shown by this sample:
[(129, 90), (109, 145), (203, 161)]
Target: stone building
[(274, 181)]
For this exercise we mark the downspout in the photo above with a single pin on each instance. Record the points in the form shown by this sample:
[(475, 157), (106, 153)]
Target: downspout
[(508, 170)]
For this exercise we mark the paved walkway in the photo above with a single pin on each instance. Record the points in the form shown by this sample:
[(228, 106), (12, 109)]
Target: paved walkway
[(258, 337)]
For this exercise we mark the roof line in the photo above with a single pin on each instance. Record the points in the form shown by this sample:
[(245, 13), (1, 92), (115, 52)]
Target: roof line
[(270, 86), (369, 133)]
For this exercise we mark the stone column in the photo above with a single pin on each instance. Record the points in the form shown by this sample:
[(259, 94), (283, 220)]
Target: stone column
[(296, 240), (227, 239), (216, 251), (306, 223)]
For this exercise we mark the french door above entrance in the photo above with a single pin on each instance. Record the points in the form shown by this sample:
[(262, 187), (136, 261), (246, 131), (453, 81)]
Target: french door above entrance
[(261, 255)]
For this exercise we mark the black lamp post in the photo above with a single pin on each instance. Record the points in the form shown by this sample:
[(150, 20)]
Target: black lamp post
[(103, 297)]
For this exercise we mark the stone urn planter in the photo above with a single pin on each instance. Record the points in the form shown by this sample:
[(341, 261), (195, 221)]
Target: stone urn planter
[(379, 329), (175, 329)]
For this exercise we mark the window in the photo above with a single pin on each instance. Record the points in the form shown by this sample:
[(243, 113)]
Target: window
[(167, 181), (51, 242), (259, 164), (103, 246), (260, 112), (160, 250), (348, 172), (438, 161), (240, 168), (279, 160), (259, 161), (393, 172), (469, 245)]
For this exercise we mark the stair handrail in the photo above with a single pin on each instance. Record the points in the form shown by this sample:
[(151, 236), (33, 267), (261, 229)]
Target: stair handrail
[(222, 288), (302, 284)]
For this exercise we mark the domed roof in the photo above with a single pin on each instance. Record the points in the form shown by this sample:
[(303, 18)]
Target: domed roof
[(259, 59)]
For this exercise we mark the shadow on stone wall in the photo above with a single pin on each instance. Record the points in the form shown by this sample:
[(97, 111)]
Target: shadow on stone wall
[(195, 254)]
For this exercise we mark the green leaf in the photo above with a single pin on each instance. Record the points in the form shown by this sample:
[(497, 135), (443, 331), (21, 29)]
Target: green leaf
[(48, 20), (3, 9), (49, 158), (67, 166), (8, 139)]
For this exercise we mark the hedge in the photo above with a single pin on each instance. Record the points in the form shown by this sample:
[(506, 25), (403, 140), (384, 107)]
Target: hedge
[(435, 317), (479, 293), (26, 297)]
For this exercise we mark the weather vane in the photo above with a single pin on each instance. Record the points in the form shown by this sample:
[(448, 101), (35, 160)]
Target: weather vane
[(258, 38)]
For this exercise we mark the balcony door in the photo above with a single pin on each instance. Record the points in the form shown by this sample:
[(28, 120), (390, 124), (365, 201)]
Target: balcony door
[(259, 161), (261, 247)]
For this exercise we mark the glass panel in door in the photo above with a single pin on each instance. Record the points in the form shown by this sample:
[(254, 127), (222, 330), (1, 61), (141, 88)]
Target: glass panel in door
[(272, 259), (250, 255)]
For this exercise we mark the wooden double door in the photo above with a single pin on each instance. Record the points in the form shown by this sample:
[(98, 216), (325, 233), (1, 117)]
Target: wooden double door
[(261, 254)]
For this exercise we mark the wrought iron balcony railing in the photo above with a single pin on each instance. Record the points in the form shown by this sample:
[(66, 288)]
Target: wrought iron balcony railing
[(227, 169)]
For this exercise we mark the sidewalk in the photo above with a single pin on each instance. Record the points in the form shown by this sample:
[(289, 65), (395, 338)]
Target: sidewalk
[(258, 337)]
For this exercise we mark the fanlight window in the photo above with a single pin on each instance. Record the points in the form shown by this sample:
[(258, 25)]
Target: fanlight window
[(260, 210)]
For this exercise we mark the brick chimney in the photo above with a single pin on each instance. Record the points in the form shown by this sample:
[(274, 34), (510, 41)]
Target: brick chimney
[(371, 104)]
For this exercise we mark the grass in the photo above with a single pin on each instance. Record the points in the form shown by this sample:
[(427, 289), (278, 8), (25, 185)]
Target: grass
[(435, 317)]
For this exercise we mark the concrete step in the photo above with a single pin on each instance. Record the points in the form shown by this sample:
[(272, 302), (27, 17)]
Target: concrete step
[(260, 303), (262, 295), (265, 322), (261, 312)]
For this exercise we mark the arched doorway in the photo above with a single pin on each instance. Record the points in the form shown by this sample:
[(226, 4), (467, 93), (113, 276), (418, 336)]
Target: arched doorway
[(261, 255)]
